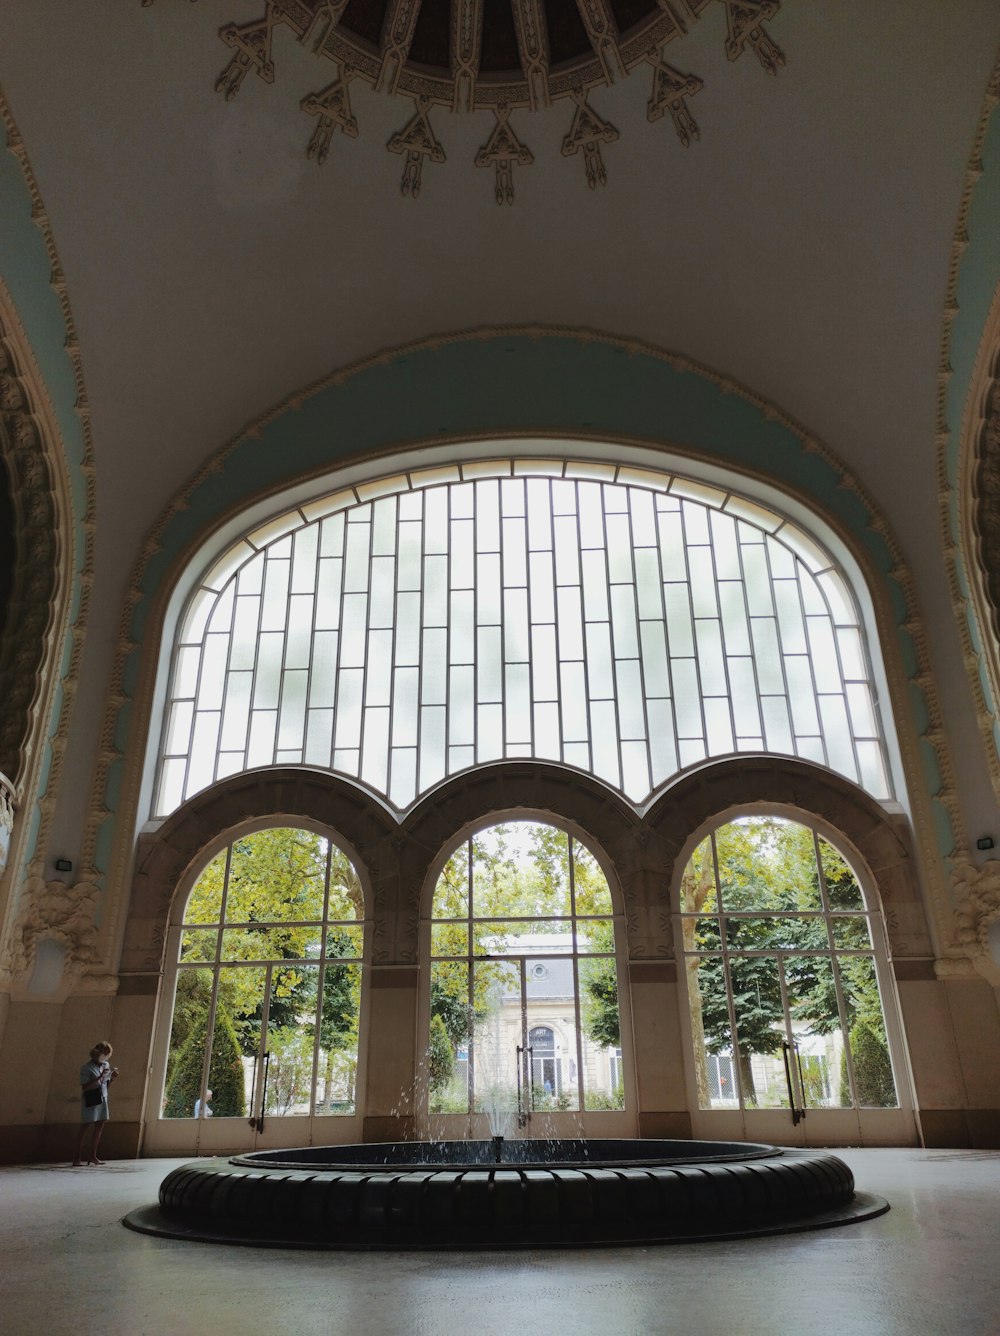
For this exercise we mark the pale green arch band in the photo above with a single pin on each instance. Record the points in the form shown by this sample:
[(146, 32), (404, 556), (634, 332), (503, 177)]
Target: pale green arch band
[(517, 382)]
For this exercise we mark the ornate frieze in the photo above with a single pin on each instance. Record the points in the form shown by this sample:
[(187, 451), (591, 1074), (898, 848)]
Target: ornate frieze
[(977, 908), (587, 133), (541, 51), (22, 653), (415, 141), (60, 913), (502, 150), (332, 106), (987, 498), (670, 89)]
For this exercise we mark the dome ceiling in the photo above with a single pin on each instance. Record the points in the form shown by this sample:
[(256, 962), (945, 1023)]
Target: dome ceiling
[(496, 55)]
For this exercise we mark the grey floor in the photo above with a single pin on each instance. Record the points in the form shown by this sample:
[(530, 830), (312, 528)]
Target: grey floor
[(930, 1266)]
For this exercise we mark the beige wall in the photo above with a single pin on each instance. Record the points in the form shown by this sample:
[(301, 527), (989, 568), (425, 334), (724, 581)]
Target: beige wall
[(951, 1025)]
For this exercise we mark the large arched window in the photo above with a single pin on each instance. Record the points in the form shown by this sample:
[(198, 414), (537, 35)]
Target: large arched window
[(267, 962), (524, 1010), (624, 622), (785, 972)]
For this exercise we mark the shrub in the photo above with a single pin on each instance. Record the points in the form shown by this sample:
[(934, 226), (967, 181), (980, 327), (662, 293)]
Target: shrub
[(440, 1058), (872, 1070), (225, 1073)]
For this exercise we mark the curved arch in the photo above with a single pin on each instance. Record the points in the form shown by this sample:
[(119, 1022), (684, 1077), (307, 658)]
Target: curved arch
[(47, 442), (508, 790), (168, 858), (701, 799), (574, 385), (967, 426), (728, 623)]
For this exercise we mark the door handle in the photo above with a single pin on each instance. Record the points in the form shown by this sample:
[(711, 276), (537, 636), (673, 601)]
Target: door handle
[(523, 1099), (263, 1094), (253, 1086), (797, 1113), (802, 1082)]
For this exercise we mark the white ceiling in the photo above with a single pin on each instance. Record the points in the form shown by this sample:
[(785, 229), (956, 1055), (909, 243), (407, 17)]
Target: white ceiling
[(801, 246)]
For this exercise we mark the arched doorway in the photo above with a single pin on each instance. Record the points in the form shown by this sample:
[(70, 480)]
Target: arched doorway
[(793, 1033), (524, 1008), (258, 1039)]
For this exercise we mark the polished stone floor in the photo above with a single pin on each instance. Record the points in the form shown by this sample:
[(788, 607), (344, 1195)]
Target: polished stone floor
[(931, 1267)]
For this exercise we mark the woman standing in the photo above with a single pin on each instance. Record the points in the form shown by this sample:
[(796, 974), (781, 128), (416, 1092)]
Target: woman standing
[(95, 1077)]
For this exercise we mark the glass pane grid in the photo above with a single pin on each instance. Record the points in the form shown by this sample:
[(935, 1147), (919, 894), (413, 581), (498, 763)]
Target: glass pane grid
[(523, 990), (784, 997), (604, 625), (258, 975)]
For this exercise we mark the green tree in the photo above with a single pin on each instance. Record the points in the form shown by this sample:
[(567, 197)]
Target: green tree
[(275, 883), (191, 1002), (450, 1004), (873, 1079), (600, 1014), (767, 867), (440, 1058), (225, 1072)]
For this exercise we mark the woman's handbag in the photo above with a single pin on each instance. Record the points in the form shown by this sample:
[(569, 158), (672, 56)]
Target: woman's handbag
[(92, 1098)]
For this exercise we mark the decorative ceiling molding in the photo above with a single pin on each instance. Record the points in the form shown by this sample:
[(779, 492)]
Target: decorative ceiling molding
[(43, 643), (512, 55), (964, 470), (596, 360), (24, 657), (986, 496)]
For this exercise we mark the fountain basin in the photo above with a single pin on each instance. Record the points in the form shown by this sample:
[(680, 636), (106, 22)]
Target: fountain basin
[(455, 1194)]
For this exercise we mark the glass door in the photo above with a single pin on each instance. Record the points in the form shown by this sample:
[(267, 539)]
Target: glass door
[(263, 987), (791, 1040), (525, 1035)]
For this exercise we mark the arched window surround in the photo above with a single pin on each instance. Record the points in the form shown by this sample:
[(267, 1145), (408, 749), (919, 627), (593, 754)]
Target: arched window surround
[(365, 476), (643, 856), (875, 907)]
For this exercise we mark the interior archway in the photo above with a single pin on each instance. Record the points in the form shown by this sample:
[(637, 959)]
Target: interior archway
[(526, 989), (794, 1031)]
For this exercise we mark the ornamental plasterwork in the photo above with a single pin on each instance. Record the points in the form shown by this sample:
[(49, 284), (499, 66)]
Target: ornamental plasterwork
[(986, 490), (978, 908), (64, 914), (23, 655), (979, 519), (516, 55), (958, 447), (35, 635), (914, 745)]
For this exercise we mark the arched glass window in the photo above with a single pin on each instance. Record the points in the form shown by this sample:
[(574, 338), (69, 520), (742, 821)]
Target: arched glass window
[(782, 959), (268, 982), (524, 1011), (624, 622)]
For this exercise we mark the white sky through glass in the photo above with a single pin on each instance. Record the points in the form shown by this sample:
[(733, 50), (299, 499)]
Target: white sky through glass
[(628, 624)]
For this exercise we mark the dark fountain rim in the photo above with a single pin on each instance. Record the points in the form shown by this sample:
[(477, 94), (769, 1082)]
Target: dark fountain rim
[(400, 1157), (360, 1206)]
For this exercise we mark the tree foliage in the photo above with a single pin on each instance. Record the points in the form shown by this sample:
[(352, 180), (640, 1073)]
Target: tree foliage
[(225, 1072), (267, 895), (519, 880), (872, 1069), (440, 1056), (765, 875)]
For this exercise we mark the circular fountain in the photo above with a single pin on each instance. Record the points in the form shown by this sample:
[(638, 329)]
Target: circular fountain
[(505, 1193)]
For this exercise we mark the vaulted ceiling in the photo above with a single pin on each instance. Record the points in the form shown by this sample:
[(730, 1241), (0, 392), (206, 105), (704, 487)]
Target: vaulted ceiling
[(800, 243)]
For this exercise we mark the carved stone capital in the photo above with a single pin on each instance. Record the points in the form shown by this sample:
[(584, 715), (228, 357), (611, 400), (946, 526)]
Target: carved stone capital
[(56, 912), (977, 899)]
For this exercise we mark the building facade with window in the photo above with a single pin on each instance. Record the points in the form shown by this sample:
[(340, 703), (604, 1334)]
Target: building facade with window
[(531, 668)]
